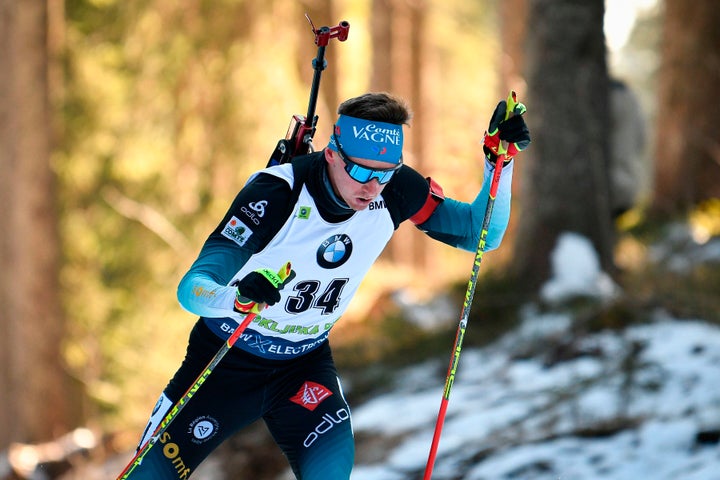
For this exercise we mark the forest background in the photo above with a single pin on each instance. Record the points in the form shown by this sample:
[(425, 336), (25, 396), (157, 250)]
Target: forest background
[(128, 127)]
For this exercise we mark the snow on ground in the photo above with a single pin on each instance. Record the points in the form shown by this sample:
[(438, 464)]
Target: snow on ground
[(576, 271), (539, 404)]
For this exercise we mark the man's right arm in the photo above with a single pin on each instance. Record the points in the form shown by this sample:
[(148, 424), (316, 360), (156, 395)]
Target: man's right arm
[(256, 215)]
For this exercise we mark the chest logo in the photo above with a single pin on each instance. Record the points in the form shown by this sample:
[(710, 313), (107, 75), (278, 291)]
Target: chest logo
[(334, 251)]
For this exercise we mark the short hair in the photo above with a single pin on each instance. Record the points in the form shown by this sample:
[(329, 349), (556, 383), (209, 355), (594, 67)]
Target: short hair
[(379, 107)]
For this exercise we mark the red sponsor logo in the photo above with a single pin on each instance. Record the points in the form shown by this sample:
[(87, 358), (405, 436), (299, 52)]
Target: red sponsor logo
[(311, 395)]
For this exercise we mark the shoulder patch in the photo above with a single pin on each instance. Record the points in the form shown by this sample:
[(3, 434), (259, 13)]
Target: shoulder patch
[(237, 231)]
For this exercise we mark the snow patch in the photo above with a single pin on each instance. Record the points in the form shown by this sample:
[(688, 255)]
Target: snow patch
[(576, 271)]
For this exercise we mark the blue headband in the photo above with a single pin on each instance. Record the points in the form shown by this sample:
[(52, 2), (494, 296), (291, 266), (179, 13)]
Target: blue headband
[(368, 139)]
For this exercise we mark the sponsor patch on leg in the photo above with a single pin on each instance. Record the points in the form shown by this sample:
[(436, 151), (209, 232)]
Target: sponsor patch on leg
[(311, 395)]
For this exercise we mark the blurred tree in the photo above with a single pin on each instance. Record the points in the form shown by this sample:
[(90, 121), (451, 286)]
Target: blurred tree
[(166, 107), (565, 183), (513, 24), (169, 106), (687, 166), (32, 325), (399, 61), (513, 34)]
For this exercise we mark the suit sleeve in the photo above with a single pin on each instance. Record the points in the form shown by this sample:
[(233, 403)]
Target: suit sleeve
[(253, 219), (459, 223)]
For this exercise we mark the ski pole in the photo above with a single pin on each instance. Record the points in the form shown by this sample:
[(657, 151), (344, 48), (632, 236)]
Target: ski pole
[(284, 273), (469, 293)]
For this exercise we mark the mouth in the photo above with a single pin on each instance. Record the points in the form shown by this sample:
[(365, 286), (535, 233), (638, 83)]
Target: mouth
[(361, 203)]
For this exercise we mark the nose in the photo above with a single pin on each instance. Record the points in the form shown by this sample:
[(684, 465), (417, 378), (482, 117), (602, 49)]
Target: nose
[(373, 186)]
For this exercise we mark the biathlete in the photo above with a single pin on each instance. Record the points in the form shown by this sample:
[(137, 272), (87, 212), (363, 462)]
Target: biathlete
[(330, 214)]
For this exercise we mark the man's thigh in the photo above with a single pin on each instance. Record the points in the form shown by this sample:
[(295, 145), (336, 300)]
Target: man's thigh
[(311, 423)]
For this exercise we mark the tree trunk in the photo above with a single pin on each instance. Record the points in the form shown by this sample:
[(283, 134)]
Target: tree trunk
[(687, 168), (33, 382), (565, 181), (512, 73), (513, 35), (398, 36)]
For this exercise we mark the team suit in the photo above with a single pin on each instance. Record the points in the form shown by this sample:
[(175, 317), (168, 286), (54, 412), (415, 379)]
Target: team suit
[(281, 369)]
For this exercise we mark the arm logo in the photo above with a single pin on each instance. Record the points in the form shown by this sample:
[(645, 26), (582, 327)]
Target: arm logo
[(259, 207), (237, 231), (255, 211)]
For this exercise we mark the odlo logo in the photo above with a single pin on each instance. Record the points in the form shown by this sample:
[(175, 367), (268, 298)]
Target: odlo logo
[(171, 451), (259, 207), (328, 422), (203, 429), (256, 211)]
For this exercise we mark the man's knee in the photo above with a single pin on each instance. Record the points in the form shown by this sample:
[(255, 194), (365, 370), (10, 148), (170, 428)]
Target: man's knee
[(329, 449)]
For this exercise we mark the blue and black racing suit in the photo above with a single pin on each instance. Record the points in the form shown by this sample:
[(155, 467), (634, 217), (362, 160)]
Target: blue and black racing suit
[(281, 368)]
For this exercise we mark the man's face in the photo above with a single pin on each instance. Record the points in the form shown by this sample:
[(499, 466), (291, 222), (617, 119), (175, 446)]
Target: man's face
[(355, 194)]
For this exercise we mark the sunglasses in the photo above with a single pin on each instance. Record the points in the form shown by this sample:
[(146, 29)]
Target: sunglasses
[(362, 174)]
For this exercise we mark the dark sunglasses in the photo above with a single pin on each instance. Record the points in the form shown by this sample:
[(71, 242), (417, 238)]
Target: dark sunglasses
[(362, 174)]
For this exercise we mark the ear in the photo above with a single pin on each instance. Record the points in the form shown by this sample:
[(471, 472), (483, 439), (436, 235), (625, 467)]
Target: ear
[(330, 156)]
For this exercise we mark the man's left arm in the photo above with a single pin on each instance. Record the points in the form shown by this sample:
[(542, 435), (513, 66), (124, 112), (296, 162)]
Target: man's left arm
[(459, 223)]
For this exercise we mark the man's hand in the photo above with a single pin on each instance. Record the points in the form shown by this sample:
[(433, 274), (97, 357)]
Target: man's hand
[(513, 130), (261, 288)]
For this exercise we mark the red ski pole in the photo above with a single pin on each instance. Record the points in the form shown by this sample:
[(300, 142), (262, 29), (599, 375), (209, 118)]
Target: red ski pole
[(469, 293), (284, 272)]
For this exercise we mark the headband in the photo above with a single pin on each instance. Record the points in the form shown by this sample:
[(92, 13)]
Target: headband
[(368, 139)]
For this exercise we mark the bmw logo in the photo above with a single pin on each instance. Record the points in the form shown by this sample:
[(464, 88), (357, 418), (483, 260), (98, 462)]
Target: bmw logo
[(334, 251)]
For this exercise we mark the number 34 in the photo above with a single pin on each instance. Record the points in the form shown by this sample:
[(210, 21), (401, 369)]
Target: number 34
[(307, 296)]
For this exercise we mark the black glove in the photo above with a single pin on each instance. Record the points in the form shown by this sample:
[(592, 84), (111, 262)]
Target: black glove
[(261, 287), (514, 130)]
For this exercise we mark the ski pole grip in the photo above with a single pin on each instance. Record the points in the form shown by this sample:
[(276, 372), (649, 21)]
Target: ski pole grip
[(509, 107), (511, 102), (285, 271)]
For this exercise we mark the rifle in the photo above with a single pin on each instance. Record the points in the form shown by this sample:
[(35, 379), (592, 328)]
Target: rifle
[(300, 132)]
